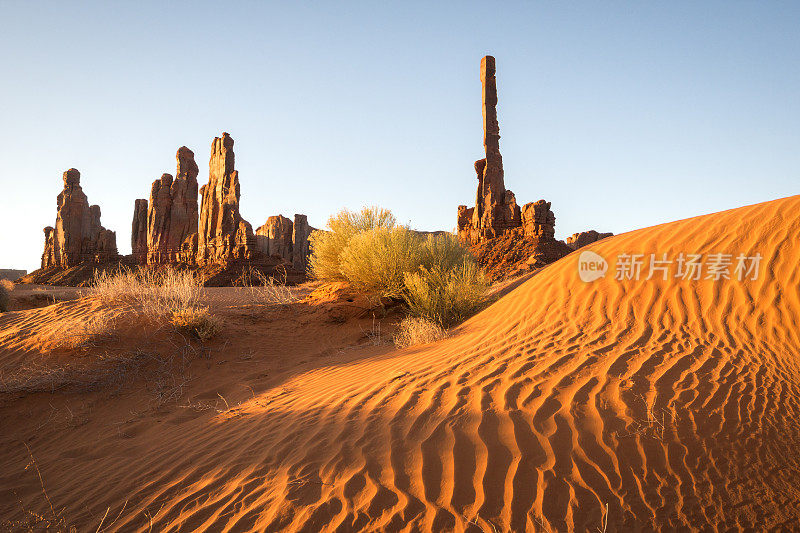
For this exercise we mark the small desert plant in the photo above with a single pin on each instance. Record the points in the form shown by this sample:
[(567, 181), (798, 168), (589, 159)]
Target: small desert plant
[(445, 296), (267, 290), (159, 292), (377, 260), (196, 321), (4, 297), (417, 330), (327, 246), (167, 293)]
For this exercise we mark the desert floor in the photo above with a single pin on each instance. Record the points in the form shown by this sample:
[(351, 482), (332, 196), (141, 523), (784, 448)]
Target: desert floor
[(646, 405)]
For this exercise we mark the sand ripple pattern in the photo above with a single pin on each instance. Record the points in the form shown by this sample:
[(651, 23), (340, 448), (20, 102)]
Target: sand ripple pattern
[(674, 404)]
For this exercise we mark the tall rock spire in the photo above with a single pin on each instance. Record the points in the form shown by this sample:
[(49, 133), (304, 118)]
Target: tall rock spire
[(223, 235), (496, 210)]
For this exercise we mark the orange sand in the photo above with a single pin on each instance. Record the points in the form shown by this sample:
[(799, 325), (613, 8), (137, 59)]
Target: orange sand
[(673, 404)]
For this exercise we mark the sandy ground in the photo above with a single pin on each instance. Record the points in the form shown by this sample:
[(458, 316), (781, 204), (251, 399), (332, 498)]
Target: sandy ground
[(654, 405)]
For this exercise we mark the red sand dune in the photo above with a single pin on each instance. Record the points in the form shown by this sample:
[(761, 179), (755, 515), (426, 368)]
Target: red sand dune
[(672, 404)]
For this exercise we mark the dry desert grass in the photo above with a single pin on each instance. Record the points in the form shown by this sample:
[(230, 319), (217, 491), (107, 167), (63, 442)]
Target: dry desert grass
[(416, 330)]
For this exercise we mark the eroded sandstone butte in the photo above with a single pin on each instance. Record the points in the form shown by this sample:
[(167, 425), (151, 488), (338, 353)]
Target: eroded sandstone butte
[(78, 236), (169, 227)]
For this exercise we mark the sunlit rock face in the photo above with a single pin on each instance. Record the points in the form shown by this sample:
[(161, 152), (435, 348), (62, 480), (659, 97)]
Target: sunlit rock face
[(78, 235)]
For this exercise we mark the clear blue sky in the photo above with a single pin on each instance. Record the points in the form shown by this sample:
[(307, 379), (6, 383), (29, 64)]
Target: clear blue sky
[(624, 115)]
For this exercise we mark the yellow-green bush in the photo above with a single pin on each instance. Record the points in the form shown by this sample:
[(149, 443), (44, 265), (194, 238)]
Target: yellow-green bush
[(376, 261), (443, 251), (445, 296), (435, 275), (327, 246)]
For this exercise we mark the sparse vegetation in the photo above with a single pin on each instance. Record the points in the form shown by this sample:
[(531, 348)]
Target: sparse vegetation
[(436, 276), (376, 261), (327, 246), (417, 330), (445, 296), (161, 294), (197, 322), (267, 290)]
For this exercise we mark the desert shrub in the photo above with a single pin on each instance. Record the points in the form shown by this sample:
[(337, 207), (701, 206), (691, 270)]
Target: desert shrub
[(417, 330), (444, 252), (435, 275), (377, 260), (262, 289), (445, 296), (162, 294), (4, 298), (327, 246), (159, 291), (196, 321)]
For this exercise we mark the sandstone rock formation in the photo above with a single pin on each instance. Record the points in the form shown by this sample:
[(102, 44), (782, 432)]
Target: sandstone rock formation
[(169, 228), (11, 273), (496, 211), (223, 235), (274, 238), (283, 239), (139, 230), (584, 238), (170, 216), (538, 220), (495, 208), (300, 249), (78, 235)]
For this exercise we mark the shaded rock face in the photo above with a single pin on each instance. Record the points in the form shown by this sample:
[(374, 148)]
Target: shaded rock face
[(78, 235), (286, 240), (223, 235), (496, 211), (584, 238), (274, 238), (139, 230), (300, 248)]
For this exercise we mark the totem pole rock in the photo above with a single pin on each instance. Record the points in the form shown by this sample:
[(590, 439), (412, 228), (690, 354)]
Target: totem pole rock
[(496, 210)]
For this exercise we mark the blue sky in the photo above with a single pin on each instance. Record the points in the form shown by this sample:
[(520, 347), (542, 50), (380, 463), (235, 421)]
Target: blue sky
[(623, 115)]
